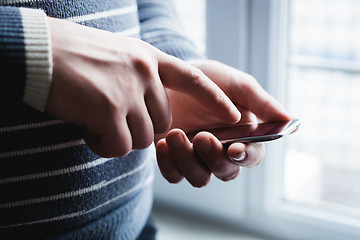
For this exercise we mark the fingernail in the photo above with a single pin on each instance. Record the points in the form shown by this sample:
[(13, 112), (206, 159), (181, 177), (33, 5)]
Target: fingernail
[(240, 158), (205, 145)]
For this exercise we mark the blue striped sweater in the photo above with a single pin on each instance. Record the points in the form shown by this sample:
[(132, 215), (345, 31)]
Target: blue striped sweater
[(51, 183)]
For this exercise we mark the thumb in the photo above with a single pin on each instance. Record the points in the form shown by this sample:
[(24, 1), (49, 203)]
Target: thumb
[(180, 76)]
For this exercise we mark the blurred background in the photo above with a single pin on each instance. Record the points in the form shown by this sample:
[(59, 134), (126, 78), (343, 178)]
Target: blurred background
[(307, 54)]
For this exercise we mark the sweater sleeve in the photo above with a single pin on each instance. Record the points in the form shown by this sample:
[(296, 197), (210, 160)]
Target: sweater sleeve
[(161, 27), (25, 57)]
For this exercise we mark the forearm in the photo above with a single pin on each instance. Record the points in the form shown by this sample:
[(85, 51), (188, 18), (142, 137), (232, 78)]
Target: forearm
[(25, 57), (160, 26)]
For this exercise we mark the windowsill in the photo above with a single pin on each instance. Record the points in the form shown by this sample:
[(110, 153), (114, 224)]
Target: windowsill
[(177, 224)]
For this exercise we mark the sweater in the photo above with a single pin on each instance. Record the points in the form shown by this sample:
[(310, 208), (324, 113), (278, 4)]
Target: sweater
[(52, 186)]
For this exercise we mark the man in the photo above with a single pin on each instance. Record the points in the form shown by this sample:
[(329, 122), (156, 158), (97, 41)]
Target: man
[(64, 83)]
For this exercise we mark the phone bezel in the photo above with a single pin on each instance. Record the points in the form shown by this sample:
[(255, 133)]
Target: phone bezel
[(290, 127)]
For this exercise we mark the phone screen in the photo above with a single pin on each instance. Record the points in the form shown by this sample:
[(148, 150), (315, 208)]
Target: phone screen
[(258, 132)]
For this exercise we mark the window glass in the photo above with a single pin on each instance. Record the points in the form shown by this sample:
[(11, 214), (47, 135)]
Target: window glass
[(322, 162), (193, 19)]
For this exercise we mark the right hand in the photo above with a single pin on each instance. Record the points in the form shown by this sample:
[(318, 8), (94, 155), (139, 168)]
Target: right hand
[(114, 86)]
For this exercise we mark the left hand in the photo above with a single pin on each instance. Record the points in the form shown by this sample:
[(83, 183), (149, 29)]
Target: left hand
[(175, 153)]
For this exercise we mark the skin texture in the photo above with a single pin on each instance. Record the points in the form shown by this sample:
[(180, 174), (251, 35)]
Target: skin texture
[(114, 86), (128, 94), (178, 158)]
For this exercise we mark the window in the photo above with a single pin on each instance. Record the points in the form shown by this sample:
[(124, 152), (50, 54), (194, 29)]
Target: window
[(307, 54), (322, 164), (192, 17)]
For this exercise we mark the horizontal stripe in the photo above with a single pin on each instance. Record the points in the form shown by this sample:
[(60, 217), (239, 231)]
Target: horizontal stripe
[(30, 126), (42, 149), (71, 194), (130, 31), (38, 137), (5, 2), (147, 181), (114, 24), (105, 14), (56, 172)]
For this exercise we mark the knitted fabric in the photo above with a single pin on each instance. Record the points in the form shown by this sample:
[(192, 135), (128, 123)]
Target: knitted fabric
[(52, 186)]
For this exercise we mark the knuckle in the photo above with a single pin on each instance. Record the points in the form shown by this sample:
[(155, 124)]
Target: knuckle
[(229, 176), (251, 78), (246, 86), (120, 147), (250, 162), (108, 105), (200, 182), (255, 163), (249, 82), (120, 151), (255, 153), (124, 151), (143, 67), (174, 178), (99, 151), (195, 74), (143, 142), (219, 164), (168, 171), (108, 153), (164, 125)]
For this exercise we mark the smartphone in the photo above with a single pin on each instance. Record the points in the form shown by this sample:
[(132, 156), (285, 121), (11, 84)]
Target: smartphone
[(258, 132)]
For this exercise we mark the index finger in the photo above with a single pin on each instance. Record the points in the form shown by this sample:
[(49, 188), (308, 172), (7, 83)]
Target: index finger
[(180, 76), (253, 97)]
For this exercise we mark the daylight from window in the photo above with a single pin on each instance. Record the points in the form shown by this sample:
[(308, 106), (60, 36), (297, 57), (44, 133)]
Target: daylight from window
[(322, 162), (193, 21), (320, 176)]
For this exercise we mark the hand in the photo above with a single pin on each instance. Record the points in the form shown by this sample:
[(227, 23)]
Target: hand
[(114, 86), (175, 153)]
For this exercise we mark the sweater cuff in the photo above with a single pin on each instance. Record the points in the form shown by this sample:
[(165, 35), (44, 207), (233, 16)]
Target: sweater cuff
[(38, 58), (179, 48)]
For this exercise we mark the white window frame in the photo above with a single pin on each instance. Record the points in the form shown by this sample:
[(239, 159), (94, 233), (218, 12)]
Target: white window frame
[(256, 27)]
